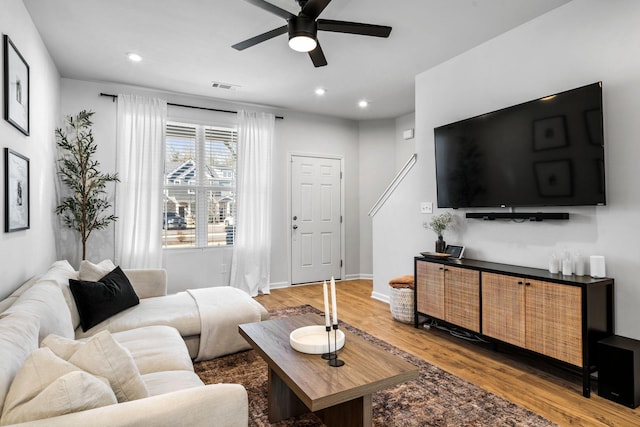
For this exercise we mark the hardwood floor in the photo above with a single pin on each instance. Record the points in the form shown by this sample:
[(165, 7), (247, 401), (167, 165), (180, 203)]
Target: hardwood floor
[(541, 387)]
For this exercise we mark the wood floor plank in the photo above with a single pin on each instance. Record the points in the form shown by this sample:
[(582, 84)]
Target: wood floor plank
[(539, 386)]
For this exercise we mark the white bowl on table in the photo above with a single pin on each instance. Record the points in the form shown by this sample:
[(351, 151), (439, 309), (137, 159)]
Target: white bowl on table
[(313, 339)]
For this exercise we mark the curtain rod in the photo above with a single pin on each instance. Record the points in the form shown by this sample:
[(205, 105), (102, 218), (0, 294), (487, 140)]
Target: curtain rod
[(113, 98)]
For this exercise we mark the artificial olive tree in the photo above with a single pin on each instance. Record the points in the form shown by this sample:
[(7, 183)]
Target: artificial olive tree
[(84, 205)]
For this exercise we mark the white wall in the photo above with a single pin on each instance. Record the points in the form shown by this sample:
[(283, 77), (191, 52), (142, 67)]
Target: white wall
[(26, 253), (297, 133), (377, 169), (404, 148), (580, 43)]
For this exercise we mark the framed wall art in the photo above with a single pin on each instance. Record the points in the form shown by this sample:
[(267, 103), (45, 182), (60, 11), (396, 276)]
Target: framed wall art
[(16, 191), (16, 87)]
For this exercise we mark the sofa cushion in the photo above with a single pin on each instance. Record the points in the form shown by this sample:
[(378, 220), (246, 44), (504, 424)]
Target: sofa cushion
[(45, 300), (18, 338), (169, 381), (47, 386), (100, 300), (93, 272), (178, 310), (156, 349), (103, 356)]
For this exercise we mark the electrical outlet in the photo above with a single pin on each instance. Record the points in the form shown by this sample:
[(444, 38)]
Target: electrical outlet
[(426, 207)]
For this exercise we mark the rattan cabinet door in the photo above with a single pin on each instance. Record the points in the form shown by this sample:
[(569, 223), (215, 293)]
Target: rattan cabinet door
[(462, 297), (554, 320), (503, 308), (430, 289)]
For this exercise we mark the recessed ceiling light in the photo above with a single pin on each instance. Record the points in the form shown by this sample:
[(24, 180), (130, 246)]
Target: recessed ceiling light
[(320, 91), (363, 103), (134, 57)]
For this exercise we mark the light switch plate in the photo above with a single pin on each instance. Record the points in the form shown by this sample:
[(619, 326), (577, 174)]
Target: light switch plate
[(426, 207)]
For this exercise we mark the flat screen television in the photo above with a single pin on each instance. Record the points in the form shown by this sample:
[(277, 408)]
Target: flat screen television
[(545, 152)]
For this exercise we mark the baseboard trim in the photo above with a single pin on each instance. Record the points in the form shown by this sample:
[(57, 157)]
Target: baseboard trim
[(358, 277), (380, 297), (279, 285)]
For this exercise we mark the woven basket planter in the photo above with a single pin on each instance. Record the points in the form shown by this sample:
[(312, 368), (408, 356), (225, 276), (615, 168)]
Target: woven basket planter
[(401, 303)]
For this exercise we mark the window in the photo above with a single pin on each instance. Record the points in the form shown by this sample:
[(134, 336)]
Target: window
[(199, 186)]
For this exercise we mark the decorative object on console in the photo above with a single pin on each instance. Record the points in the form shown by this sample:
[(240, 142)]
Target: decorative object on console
[(16, 191), (439, 224), (554, 264), (567, 269), (597, 266), (16, 87), (77, 169), (578, 262), (454, 251)]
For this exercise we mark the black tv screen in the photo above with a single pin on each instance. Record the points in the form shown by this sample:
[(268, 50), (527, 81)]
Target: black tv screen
[(546, 152)]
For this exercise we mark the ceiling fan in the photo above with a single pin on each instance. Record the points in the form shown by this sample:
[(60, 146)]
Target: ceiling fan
[(303, 28)]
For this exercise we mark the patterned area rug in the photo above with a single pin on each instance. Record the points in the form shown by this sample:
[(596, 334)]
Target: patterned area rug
[(436, 398)]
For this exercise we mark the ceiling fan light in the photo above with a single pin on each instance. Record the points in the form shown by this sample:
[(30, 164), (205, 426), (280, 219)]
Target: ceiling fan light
[(302, 43), (302, 34)]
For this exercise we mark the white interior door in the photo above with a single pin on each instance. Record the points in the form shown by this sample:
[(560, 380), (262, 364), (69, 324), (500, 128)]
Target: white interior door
[(315, 219)]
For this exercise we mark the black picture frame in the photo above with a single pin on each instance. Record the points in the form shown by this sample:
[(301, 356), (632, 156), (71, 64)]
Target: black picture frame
[(17, 191), (16, 87)]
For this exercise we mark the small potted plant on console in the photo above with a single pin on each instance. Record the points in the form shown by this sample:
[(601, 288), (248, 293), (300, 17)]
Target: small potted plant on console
[(439, 224)]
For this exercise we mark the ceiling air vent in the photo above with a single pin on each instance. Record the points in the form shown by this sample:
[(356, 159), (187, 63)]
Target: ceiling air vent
[(226, 86)]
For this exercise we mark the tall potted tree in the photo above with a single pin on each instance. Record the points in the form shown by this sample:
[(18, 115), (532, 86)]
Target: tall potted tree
[(83, 208)]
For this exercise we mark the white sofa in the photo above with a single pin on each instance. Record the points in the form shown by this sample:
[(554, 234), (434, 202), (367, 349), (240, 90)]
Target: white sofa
[(156, 339)]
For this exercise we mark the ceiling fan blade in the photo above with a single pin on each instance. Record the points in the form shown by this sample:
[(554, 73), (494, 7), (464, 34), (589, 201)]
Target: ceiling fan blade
[(353, 28), (317, 57), (260, 38), (314, 8), (271, 8)]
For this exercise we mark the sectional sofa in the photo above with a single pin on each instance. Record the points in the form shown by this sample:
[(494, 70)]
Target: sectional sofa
[(134, 368)]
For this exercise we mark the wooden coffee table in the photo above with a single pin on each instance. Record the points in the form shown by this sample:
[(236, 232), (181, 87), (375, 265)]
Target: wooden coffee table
[(299, 383)]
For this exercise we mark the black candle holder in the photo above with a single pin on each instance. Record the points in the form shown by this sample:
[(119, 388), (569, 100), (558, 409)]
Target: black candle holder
[(334, 361), (329, 355)]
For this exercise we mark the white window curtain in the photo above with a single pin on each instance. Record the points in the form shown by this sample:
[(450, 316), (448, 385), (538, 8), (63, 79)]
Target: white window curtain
[(251, 263), (139, 162)]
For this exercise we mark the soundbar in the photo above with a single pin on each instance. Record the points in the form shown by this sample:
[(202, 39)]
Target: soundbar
[(531, 216)]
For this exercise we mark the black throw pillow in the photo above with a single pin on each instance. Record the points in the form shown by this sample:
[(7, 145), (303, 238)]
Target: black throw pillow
[(100, 300)]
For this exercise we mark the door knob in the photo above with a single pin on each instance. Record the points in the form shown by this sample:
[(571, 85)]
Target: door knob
[(295, 227), (295, 218)]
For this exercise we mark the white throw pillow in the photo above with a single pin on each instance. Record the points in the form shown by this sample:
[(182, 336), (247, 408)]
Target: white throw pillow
[(18, 338), (60, 346), (103, 356), (91, 272), (47, 386)]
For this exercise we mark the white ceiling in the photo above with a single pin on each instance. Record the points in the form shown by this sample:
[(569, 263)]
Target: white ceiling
[(186, 44)]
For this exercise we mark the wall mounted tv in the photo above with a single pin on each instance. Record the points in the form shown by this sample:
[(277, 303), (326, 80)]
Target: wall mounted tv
[(546, 152)]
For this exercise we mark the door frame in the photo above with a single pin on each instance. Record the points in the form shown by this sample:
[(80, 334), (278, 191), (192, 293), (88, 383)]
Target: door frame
[(290, 156)]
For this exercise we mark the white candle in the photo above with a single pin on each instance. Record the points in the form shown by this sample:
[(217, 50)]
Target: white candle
[(326, 305), (334, 306)]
